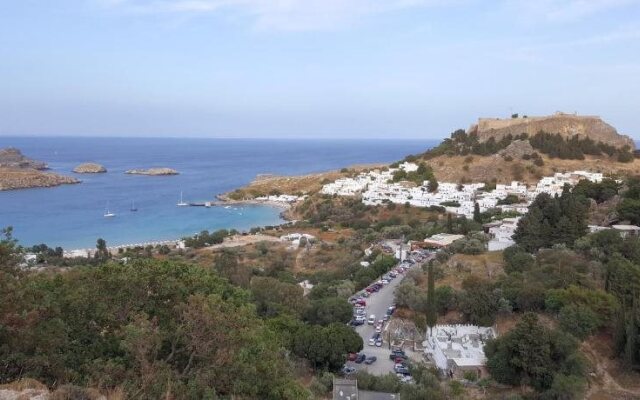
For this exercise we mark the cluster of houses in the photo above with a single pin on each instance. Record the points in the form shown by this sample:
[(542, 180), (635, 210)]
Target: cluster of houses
[(281, 198), (377, 187)]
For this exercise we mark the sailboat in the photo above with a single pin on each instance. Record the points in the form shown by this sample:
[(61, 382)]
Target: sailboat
[(182, 203), (133, 206), (107, 213)]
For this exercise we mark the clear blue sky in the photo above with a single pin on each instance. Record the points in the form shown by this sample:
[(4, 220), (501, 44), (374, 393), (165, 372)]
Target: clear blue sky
[(311, 68)]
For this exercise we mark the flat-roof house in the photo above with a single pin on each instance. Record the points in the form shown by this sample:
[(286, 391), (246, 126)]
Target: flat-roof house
[(627, 230), (441, 240), (347, 389), (458, 348)]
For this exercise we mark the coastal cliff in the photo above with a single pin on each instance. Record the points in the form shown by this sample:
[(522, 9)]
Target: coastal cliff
[(152, 171), (20, 172), (567, 125)]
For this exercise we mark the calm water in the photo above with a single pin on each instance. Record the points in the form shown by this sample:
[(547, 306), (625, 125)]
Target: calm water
[(71, 216)]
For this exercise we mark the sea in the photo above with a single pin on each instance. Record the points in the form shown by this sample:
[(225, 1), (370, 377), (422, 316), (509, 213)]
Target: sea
[(72, 216)]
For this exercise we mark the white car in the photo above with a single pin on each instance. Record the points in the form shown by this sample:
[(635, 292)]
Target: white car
[(372, 319), (372, 341)]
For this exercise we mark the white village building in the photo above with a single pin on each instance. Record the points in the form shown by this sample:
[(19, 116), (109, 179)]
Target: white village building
[(455, 349)]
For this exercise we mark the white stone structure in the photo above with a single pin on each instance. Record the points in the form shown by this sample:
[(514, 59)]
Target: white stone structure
[(501, 234), (458, 348)]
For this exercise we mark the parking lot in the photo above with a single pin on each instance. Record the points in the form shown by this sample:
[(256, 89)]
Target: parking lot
[(377, 304)]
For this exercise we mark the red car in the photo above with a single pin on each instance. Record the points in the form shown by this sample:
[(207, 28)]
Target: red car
[(352, 356), (361, 302)]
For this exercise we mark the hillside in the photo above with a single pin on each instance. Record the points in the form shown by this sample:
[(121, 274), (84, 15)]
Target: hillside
[(526, 149), (567, 125)]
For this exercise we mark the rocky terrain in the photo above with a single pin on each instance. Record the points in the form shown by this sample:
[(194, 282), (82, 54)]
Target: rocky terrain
[(20, 172), (152, 171), (89, 168), (13, 158), (24, 178), (566, 125)]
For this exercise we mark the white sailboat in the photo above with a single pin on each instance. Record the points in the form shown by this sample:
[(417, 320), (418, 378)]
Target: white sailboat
[(182, 203), (107, 213)]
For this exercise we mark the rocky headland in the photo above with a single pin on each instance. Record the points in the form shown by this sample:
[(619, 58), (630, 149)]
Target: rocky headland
[(13, 158), (89, 168), (20, 172), (152, 171)]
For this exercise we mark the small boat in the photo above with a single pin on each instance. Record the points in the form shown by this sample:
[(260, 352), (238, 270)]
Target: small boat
[(133, 206), (107, 213), (182, 202)]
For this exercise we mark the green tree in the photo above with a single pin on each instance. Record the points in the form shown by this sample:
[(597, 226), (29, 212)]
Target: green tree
[(431, 314), (102, 252), (328, 310), (530, 354)]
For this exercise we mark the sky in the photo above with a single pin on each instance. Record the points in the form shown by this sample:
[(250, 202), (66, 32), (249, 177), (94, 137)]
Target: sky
[(402, 69)]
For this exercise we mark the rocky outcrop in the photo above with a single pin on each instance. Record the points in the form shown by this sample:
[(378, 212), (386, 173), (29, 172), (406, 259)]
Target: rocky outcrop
[(20, 172), (89, 168), (517, 149), (153, 171), (24, 178), (13, 158), (567, 125)]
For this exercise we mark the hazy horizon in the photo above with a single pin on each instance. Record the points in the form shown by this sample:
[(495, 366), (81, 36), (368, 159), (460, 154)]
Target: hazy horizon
[(320, 69)]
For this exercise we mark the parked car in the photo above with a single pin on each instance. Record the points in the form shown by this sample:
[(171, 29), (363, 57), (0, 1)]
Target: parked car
[(370, 360), (397, 353), (405, 378), (379, 342), (361, 302), (356, 322), (378, 328), (401, 369), (372, 341), (352, 356), (361, 357), (347, 370), (372, 319), (386, 317)]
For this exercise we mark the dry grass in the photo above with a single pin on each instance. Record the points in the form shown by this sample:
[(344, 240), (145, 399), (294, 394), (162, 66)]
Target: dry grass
[(303, 184), (483, 169), (459, 267), (24, 384)]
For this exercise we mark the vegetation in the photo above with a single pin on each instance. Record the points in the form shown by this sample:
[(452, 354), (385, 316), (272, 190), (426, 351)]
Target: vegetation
[(205, 238), (555, 145), (534, 355), (154, 329), (552, 220), (629, 207), (424, 173)]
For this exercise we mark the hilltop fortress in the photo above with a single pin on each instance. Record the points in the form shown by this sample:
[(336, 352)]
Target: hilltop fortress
[(566, 125)]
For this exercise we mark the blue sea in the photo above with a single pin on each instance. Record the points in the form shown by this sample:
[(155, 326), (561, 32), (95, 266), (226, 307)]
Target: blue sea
[(71, 216)]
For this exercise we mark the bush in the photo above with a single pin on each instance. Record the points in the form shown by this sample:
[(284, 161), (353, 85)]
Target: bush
[(578, 320)]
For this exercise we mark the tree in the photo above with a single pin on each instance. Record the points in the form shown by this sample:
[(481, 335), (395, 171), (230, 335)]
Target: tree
[(478, 301), (552, 220), (476, 213), (328, 310), (530, 354), (273, 296), (432, 315), (102, 252)]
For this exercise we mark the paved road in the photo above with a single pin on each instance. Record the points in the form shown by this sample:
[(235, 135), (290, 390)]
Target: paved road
[(377, 304)]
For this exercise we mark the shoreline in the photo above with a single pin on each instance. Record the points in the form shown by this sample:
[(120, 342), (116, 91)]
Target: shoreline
[(90, 251)]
